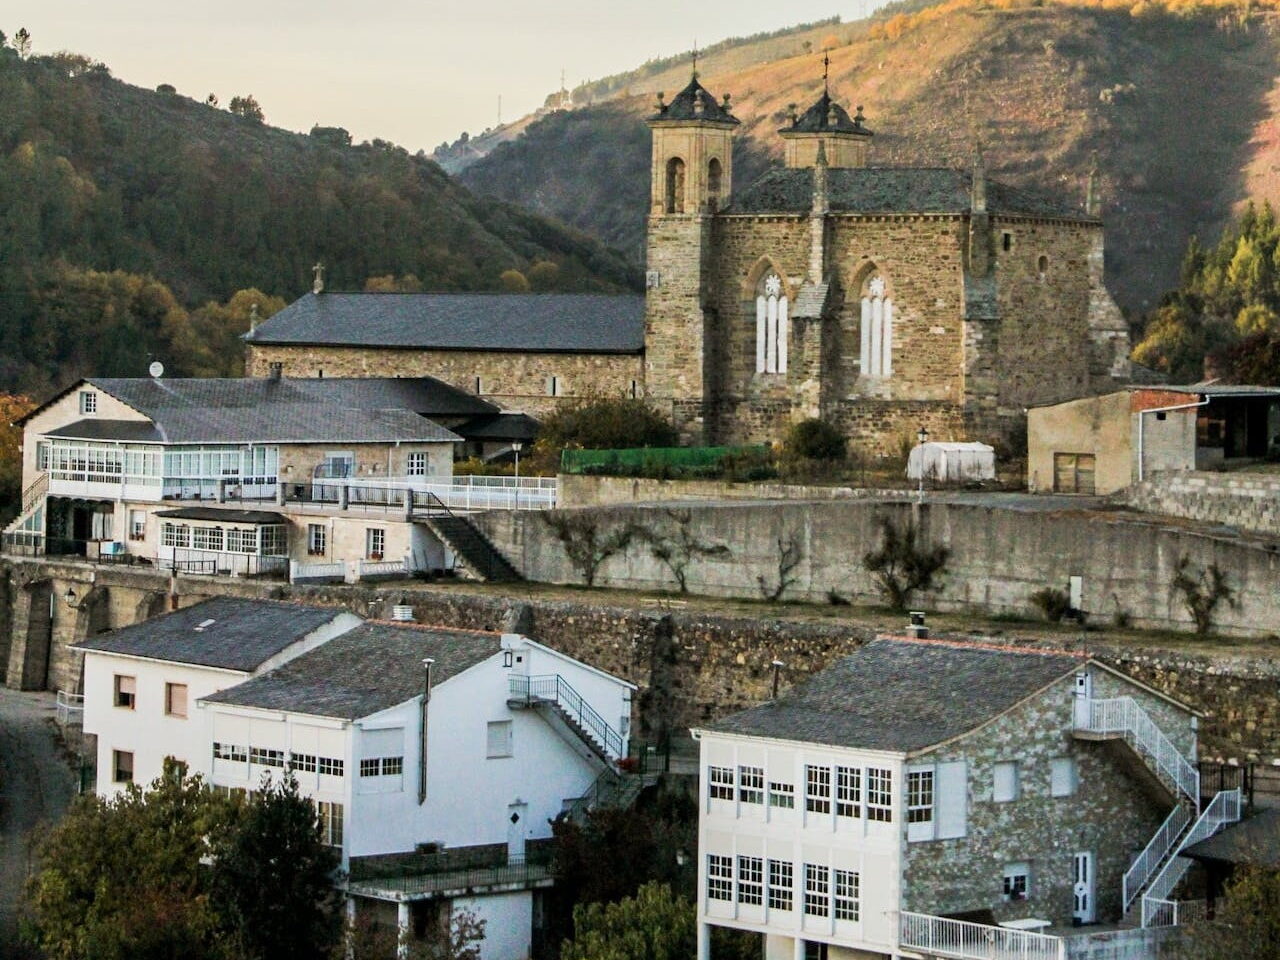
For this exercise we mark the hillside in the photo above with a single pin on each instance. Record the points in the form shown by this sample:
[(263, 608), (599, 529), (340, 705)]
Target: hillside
[(99, 177), (1179, 144)]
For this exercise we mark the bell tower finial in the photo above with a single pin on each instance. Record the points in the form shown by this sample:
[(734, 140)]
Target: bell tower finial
[(695, 58), (317, 283), (826, 71)]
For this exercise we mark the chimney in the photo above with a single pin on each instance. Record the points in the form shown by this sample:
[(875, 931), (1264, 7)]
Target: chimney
[(254, 319), (317, 283), (422, 745)]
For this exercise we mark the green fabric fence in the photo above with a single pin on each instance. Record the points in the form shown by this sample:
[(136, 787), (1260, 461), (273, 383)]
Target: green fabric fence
[(656, 459)]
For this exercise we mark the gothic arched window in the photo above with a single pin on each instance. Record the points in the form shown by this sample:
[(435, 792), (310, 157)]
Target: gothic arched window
[(877, 329), (675, 185), (771, 326)]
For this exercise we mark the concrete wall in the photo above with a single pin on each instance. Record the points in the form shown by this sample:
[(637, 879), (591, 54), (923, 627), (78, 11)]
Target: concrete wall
[(999, 557), (1248, 501), (583, 491)]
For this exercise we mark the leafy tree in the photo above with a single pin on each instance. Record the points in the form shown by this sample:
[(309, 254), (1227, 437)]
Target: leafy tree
[(901, 565), (815, 439), (273, 878), (247, 107), (1255, 359), (389, 283), (544, 275), (12, 408), (1202, 592), (121, 878), (513, 281), (216, 328), (655, 924), (1247, 926), (607, 423), (211, 100), (22, 43), (167, 88)]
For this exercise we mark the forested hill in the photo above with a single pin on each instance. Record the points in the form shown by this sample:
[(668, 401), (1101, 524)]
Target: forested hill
[(1177, 97), (109, 194)]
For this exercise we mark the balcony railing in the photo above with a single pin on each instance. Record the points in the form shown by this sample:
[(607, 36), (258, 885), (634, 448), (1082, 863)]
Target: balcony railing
[(1124, 717), (1224, 809), (70, 708), (553, 688), (432, 874), (943, 937), (1151, 858)]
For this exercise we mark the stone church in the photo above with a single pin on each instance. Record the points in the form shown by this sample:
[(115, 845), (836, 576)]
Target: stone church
[(881, 299)]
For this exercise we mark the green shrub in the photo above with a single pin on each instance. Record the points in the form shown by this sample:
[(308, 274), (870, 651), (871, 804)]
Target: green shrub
[(1052, 602), (815, 440)]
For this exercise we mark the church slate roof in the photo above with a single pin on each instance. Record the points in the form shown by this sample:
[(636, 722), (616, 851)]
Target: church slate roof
[(231, 633), (902, 696), (507, 322), (893, 190), (694, 102), (827, 116), (370, 668), (262, 410)]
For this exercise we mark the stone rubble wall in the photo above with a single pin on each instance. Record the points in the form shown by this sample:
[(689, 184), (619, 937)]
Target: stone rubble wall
[(1247, 501)]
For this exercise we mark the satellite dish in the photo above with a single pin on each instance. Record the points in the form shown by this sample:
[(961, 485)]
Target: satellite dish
[(156, 369)]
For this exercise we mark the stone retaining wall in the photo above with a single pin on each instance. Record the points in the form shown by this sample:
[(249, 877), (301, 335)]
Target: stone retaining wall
[(1248, 501), (585, 491)]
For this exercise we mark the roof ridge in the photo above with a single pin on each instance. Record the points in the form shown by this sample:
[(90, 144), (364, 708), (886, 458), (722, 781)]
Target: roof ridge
[(414, 625), (978, 645)]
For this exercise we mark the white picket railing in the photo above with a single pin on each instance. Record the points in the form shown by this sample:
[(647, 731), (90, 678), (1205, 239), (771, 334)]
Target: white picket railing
[(70, 708), (1223, 809), (1124, 717), (382, 568), (944, 937), (1150, 860), (317, 571)]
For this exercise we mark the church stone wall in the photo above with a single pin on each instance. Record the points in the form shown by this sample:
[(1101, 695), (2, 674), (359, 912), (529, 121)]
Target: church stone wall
[(514, 381)]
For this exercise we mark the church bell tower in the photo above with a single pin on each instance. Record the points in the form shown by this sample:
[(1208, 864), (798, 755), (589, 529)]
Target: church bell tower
[(692, 176)]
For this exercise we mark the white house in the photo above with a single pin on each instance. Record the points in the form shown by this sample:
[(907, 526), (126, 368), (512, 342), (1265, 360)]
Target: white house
[(923, 798), (437, 758), (142, 682)]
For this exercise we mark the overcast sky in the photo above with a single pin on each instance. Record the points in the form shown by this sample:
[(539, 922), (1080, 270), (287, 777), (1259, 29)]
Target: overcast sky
[(415, 73)]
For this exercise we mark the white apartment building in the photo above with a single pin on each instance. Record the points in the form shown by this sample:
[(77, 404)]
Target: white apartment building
[(437, 758), (950, 800)]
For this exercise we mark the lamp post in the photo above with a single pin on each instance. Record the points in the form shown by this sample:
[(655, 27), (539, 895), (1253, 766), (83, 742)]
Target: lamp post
[(923, 437), (517, 446)]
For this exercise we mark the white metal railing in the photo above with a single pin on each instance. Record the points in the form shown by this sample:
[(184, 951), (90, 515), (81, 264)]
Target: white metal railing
[(1150, 859), (1123, 716), (70, 708), (1223, 809), (460, 493), (1172, 913), (317, 571), (1131, 944), (381, 568), (943, 937)]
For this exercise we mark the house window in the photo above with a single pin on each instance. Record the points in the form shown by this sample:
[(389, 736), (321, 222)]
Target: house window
[(553, 386), (329, 766), (175, 535), (1006, 241), (126, 691), (720, 783), (499, 739), (375, 543), (719, 877), (274, 541), (230, 751), (782, 795), (275, 368), (817, 789), (42, 453), (781, 884), (817, 890), (880, 795), (751, 880), (330, 817), (417, 464), (846, 894), (266, 757), (674, 202), (206, 538), (1062, 777), (771, 325), (877, 329), (1005, 782), (175, 700), (1017, 881), (137, 525), (848, 792), (303, 762), (1074, 473), (635, 389), (317, 539), (369, 767), (242, 541), (920, 796), (751, 784), (88, 403), (392, 766), (122, 766), (1042, 266)]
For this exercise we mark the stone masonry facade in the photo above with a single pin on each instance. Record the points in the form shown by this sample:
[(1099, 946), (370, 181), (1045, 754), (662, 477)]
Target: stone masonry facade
[(1246, 501), (1110, 814)]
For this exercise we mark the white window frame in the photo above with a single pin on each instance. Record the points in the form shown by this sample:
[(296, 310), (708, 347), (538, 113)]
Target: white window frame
[(846, 895), (719, 877), (375, 543), (876, 358), (317, 539), (849, 792), (720, 784), (782, 885), (782, 795), (88, 403), (817, 890), (879, 794), (1016, 882), (751, 784), (817, 788), (417, 464), (751, 881), (772, 325)]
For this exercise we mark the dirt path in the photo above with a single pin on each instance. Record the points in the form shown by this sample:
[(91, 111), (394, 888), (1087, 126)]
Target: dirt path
[(36, 784)]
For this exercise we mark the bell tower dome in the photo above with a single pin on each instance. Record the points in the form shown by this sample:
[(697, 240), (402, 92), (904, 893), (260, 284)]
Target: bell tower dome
[(845, 140)]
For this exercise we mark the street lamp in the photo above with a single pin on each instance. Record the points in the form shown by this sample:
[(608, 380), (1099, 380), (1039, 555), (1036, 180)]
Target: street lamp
[(923, 437), (517, 446)]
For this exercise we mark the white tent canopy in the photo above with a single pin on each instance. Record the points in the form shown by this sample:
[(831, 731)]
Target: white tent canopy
[(953, 462)]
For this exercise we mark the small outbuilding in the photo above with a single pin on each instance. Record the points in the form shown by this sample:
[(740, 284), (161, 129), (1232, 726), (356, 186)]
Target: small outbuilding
[(952, 462)]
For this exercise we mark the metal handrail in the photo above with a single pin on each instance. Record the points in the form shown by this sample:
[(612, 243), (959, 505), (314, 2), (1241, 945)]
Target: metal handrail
[(1124, 716), (1223, 809), (944, 937), (556, 689), (1153, 856), (36, 489)]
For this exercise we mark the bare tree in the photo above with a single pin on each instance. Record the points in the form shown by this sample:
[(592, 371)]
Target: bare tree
[(1202, 592), (790, 556), (586, 545), (682, 547), (902, 566)]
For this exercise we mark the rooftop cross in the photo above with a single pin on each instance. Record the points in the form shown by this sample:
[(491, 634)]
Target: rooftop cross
[(826, 69), (695, 59)]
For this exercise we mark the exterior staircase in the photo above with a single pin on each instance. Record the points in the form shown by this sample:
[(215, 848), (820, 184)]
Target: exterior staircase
[(479, 557), (1158, 869), (25, 533)]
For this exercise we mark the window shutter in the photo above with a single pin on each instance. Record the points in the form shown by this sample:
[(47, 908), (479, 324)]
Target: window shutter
[(127, 685), (382, 743), (1005, 786), (1062, 777), (499, 738), (951, 804)]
